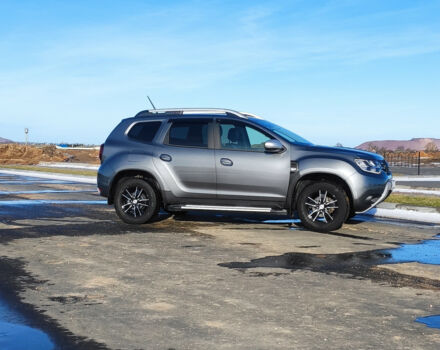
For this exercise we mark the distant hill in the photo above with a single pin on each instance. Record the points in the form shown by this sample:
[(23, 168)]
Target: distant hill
[(2, 140), (416, 144)]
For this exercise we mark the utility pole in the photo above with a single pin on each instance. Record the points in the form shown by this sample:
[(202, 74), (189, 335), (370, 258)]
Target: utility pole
[(26, 132)]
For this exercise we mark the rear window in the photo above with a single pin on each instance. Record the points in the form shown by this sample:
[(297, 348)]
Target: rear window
[(189, 134), (144, 131)]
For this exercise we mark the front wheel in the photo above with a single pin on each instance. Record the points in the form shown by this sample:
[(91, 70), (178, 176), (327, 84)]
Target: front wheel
[(323, 206), (135, 201)]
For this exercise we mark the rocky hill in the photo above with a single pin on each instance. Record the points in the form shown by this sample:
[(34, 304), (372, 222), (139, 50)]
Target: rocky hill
[(2, 140), (416, 144)]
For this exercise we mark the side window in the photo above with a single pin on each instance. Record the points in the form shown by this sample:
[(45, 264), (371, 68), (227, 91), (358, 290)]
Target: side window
[(192, 133), (144, 131), (236, 135)]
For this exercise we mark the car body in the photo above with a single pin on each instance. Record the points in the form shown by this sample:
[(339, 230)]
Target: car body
[(219, 159)]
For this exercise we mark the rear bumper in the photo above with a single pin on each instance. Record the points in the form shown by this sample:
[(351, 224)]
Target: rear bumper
[(103, 180), (389, 187)]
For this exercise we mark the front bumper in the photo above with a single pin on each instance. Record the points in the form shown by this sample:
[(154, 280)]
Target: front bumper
[(389, 187)]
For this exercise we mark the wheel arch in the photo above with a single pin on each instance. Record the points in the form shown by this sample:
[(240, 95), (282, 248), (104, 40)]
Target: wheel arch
[(136, 173), (303, 181)]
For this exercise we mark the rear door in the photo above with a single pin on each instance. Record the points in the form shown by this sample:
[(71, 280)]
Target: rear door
[(245, 171), (186, 159)]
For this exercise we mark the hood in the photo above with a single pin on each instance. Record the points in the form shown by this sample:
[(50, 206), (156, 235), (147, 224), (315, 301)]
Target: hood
[(351, 152)]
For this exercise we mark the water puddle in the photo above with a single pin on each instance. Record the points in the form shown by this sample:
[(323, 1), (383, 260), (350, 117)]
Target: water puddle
[(425, 252), (47, 201), (430, 321), (15, 334), (363, 264), (44, 191)]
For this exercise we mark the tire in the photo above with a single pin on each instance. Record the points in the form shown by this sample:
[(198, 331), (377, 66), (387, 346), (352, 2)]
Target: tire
[(323, 206), (136, 201)]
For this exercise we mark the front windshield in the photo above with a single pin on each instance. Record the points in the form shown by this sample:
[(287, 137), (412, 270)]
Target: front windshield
[(280, 131)]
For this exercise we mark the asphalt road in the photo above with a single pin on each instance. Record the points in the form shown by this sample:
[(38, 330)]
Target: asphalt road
[(424, 170), (206, 281)]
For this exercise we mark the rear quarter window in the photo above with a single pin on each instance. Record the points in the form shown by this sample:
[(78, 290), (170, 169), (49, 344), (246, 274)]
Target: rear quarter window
[(144, 131)]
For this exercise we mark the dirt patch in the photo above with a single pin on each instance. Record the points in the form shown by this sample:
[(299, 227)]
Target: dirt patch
[(31, 155)]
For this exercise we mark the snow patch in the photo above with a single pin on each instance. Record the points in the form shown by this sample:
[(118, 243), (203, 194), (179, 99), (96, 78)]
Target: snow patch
[(405, 214), (42, 175)]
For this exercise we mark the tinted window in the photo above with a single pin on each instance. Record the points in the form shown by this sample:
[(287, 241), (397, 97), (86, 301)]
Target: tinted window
[(236, 135), (189, 133), (144, 131), (284, 133)]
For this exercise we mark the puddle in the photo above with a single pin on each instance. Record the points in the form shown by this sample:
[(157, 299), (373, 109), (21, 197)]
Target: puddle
[(363, 264), (15, 334), (430, 321), (45, 191), (425, 252), (47, 201), (30, 209)]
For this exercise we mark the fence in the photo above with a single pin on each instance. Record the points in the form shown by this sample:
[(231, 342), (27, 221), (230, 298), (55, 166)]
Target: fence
[(403, 160)]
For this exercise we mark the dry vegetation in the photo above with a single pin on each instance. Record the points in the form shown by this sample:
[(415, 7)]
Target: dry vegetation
[(31, 155)]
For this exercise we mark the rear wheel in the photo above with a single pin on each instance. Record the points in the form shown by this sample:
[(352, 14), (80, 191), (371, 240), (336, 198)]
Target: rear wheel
[(323, 206), (135, 201)]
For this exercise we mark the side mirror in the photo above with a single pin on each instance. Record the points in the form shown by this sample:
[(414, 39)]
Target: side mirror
[(273, 146)]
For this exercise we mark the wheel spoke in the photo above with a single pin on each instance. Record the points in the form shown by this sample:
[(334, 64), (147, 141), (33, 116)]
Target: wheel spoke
[(323, 216), (312, 212), (126, 210), (313, 200), (316, 216), (326, 212), (139, 194)]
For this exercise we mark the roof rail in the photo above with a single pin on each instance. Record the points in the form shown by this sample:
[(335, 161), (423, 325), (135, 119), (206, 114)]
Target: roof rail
[(190, 111)]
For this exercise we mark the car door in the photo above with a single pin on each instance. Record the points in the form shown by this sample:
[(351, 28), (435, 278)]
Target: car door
[(245, 171), (186, 159)]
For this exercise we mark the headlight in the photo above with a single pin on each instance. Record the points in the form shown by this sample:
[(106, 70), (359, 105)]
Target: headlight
[(370, 166)]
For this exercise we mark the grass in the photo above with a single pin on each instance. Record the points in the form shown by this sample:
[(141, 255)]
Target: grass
[(51, 170), (418, 200)]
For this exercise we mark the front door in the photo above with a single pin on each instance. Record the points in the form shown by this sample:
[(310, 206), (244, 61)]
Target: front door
[(245, 171)]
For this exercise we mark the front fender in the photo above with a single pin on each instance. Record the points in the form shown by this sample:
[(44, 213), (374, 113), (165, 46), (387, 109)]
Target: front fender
[(313, 167)]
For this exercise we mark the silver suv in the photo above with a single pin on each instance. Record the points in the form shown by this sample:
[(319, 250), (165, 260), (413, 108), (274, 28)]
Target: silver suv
[(223, 160)]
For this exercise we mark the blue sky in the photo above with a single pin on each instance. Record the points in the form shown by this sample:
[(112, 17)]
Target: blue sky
[(332, 71)]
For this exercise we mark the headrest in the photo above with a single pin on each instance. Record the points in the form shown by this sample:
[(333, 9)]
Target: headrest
[(233, 134)]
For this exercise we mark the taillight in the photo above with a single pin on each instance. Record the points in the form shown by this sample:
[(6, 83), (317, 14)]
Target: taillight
[(101, 150)]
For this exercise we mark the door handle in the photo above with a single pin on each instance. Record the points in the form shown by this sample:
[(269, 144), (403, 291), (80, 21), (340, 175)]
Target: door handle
[(226, 162), (166, 157)]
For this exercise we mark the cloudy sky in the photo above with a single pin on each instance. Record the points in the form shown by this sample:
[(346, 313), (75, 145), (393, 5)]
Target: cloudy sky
[(332, 71)]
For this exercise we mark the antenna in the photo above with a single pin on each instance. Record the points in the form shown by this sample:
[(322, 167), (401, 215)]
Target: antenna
[(149, 99)]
